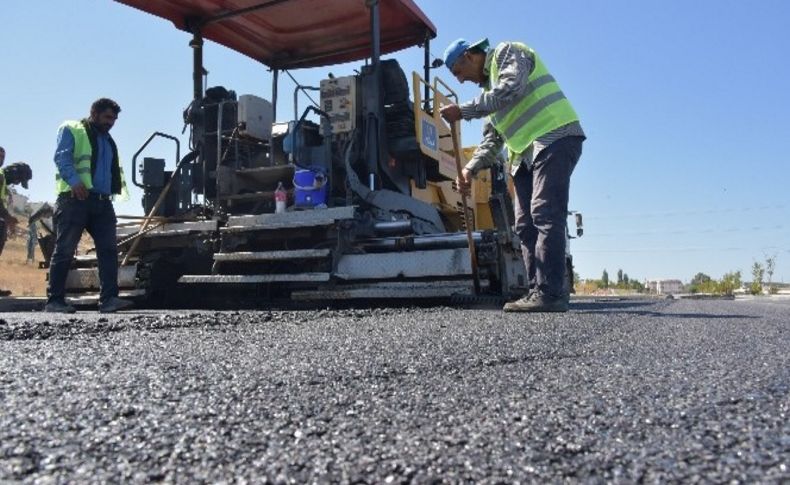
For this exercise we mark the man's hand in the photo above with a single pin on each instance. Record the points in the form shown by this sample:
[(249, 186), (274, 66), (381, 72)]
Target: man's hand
[(464, 182), (451, 113), (79, 191)]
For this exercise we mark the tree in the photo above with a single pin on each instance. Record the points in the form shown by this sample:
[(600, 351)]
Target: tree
[(701, 283), (625, 279), (758, 272), (729, 283), (700, 278), (770, 266), (619, 277), (605, 279)]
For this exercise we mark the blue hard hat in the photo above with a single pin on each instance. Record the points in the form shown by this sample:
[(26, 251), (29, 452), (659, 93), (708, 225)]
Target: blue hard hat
[(458, 47)]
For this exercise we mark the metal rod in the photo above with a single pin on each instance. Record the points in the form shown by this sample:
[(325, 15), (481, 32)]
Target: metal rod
[(434, 241), (470, 240), (150, 217), (137, 235), (427, 74), (242, 11), (375, 114), (220, 107), (275, 85), (375, 29), (138, 152), (303, 89), (393, 228), (197, 64), (305, 92)]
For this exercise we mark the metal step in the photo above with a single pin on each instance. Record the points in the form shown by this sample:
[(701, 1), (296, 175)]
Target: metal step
[(411, 264), (254, 279), (273, 255), (388, 290), (293, 219), (88, 278), (84, 299), (170, 229)]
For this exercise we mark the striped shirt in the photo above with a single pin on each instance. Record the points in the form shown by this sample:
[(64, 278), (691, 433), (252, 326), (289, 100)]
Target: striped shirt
[(515, 67)]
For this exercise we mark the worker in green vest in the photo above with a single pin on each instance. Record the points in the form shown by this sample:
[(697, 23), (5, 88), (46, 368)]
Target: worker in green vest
[(15, 174), (527, 113), (89, 174)]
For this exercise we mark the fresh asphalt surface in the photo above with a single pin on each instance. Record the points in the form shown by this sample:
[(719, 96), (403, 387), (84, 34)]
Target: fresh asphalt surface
[(623, 391)]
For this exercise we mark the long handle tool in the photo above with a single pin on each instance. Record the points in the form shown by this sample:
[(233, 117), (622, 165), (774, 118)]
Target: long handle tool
[(467, 222)]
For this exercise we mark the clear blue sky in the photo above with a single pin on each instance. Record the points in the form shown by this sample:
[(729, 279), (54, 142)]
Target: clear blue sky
[(685, 104)]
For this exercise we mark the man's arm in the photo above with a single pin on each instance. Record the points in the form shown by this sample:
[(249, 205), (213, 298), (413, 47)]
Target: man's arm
[(485, 156), (64, 160), (4, 214), (515, 65), (486, 152)]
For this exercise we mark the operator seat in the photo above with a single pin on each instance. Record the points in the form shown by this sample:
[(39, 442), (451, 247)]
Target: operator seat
[(401, 135)]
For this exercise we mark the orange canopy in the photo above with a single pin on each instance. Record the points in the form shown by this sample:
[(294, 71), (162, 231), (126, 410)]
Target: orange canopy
[(287, 34)]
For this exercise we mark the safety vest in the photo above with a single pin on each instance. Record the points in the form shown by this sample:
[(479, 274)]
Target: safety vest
[(543, 110), (3, 188), (85, 161)]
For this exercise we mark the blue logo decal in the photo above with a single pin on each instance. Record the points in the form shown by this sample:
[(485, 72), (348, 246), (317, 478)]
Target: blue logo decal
[(429, 138)]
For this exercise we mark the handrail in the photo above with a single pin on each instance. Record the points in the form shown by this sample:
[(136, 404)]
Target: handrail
[(150, 138), (442, 95), (452, 94)]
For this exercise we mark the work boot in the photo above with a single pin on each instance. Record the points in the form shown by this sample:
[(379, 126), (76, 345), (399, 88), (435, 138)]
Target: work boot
[(114, 304), (59, 307), (537, 302)]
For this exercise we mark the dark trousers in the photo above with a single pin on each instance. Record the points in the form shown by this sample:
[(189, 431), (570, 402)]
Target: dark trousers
[(541, 213), (72, 217)]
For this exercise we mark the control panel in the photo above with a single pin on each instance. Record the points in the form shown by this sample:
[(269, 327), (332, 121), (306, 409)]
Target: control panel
[(338, 96)]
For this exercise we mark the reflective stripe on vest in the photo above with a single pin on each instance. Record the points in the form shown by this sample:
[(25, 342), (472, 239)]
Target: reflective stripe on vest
[(3, 188), (81, 156), (543, 110)]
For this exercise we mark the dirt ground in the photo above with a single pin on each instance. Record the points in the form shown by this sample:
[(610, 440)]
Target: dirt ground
[(21, 277)]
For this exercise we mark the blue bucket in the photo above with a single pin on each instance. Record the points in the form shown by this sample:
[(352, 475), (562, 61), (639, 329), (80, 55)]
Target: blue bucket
[(309, 188)]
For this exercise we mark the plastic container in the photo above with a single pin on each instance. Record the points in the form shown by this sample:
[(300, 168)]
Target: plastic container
[(309, 188), (280, 198)]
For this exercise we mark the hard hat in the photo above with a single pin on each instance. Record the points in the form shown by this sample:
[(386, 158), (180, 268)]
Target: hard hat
[(458, 47)]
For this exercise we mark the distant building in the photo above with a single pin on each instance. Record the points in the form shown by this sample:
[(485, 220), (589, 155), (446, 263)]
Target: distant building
[(664, 287)]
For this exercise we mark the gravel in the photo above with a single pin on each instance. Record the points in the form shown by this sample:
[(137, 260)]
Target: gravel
[(613, 391)]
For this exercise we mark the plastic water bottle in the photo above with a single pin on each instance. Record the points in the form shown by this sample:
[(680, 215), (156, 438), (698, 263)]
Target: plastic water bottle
[(280, 198)]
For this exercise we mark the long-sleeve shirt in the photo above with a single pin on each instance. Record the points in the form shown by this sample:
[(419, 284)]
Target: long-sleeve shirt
[(64, 159), (515, 66)]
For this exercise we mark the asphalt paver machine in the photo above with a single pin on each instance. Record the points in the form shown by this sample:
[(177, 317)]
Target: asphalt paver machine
[(367, 172)]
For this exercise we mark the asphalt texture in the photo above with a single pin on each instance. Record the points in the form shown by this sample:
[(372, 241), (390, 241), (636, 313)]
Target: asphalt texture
[(612, 391)]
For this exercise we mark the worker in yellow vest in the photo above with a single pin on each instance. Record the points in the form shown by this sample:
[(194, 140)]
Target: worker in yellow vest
[(89, 174), (527, 113), (15, 174)]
